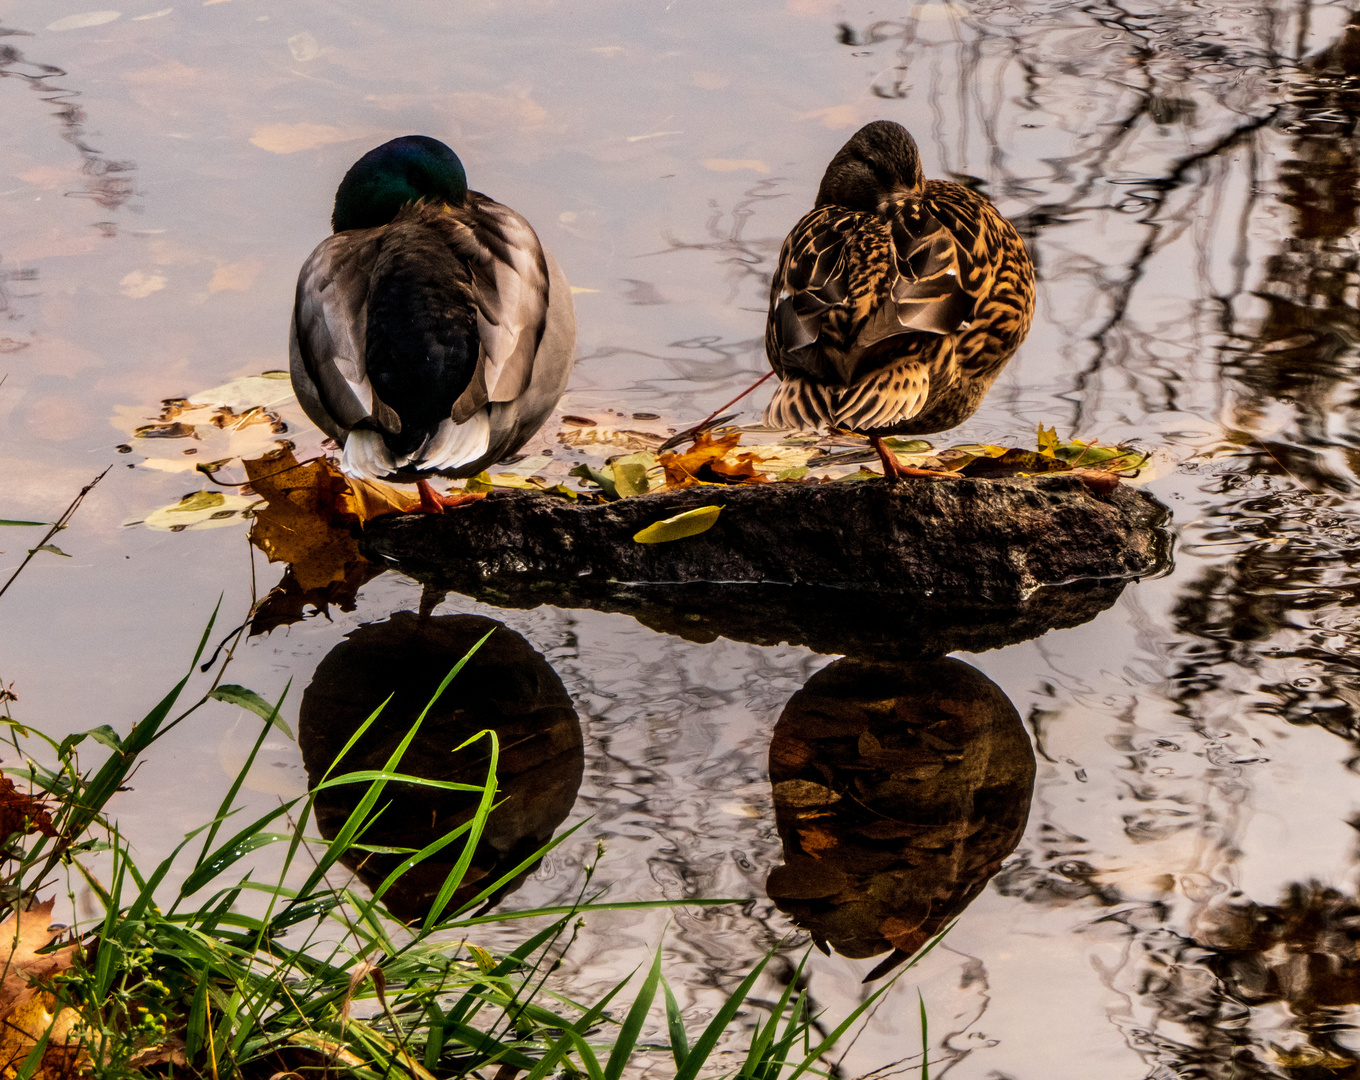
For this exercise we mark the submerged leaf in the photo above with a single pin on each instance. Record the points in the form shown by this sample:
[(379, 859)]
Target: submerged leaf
[(201, 510), (690, 523)]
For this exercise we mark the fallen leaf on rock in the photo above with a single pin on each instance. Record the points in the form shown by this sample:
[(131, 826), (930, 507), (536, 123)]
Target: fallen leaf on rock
[(690, 523), (684, 469), (306, 517), (374, 499), (1011, 462)]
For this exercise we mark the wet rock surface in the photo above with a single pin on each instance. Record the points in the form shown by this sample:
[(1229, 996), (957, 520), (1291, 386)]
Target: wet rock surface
[(911, 569)]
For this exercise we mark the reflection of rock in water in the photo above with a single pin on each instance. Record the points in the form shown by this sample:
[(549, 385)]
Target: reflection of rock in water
[(506, 687), (898, 788), (1258, 991)]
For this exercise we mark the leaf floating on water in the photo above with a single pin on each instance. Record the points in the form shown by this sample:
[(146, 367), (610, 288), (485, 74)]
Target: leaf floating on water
[(690, 523), (630, 474), (24, 523), (605, 482), (51, 549), (201, 510), (609, 438)]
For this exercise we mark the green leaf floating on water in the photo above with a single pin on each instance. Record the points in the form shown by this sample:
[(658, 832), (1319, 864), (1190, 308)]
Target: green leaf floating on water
[(3, 522), (248, 699), (690, 523)]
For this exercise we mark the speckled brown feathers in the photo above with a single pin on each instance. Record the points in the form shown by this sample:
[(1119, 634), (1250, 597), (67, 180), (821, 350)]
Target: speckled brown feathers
[(897, 300)]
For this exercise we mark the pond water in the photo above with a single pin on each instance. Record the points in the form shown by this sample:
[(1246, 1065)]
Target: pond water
[(1181, 900)]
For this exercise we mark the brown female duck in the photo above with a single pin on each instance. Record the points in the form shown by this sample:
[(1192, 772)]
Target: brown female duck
[(897, 301)]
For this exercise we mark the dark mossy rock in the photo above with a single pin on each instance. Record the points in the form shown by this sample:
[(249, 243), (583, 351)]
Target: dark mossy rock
[(909, 569)]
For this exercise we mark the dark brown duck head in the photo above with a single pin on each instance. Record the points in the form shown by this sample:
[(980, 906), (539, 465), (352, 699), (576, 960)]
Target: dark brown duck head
[(880, 161)]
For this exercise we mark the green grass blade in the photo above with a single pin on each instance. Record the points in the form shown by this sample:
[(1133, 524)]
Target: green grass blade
[(632, 1023), (455, 876), (675, 1026), (764, 1037), (925, 1039), (696, 1058)]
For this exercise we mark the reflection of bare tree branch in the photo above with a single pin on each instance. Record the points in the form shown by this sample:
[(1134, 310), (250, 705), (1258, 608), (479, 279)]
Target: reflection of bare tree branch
[(106, 180)]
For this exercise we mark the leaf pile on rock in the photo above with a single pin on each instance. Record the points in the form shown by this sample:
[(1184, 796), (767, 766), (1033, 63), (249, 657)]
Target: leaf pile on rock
[(719, 458)]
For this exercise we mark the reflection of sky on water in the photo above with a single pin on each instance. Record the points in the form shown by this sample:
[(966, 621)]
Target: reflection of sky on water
[(1192, 742)]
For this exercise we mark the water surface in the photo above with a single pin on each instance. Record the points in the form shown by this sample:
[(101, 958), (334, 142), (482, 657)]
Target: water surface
[(1182, 901)]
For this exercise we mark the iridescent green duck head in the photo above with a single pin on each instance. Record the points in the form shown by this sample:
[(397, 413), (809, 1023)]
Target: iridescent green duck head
[(879, 160), (393, 175)]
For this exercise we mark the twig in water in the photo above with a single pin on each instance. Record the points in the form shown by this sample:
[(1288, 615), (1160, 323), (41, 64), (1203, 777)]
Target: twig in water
[(56, 528), (688, 433)]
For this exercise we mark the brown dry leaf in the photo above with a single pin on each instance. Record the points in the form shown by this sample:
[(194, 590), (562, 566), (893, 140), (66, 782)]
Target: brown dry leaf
[(683, 469), (306, 519), (170, 1052), (21, 812), (21, 936), (374, 499), (63, 1056)]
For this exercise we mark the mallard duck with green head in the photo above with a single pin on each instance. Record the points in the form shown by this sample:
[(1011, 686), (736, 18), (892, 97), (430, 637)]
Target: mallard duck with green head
[(432, 334), (897, 300)]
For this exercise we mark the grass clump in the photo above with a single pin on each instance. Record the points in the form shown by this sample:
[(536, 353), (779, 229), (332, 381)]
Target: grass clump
[(228, 975)]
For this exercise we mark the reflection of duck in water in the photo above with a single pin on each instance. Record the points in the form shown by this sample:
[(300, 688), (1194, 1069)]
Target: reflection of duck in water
[(897, 300), (506, 687), (432, 333), (899, 788)]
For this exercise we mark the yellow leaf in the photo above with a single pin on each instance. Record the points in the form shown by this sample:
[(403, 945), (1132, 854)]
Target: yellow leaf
[(1048, 440), (690, 523), (201, 510), (480, 482), (630, 474)]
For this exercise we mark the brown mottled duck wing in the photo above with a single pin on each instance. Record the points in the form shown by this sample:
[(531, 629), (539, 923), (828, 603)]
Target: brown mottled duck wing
[(849, 280), (995, 269)]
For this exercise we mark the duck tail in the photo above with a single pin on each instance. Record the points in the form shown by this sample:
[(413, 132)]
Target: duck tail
[(454, 446), (800, 404), (366, 455)]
